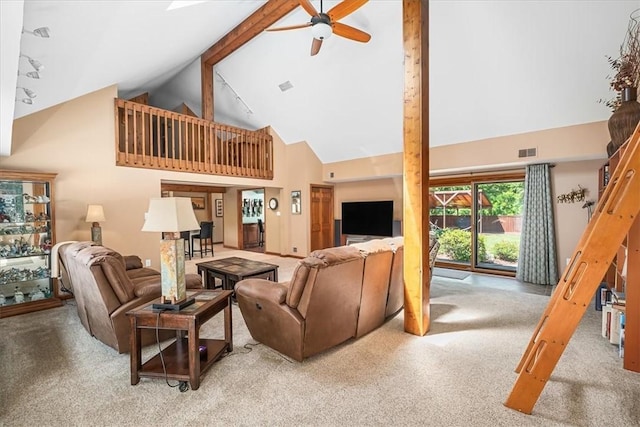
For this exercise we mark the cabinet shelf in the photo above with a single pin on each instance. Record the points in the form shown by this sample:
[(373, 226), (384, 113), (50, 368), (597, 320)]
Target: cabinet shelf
[(629, 249), (22, 231), (26, 256), (23, 281), (25, 222), (27, 233)]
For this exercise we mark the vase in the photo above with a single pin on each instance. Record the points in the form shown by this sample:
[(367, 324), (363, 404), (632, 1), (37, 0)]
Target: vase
[(624, 120)]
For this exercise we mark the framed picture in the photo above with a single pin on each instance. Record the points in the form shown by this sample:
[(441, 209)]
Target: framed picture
[(219, 208), (197, 202), (296, 203)]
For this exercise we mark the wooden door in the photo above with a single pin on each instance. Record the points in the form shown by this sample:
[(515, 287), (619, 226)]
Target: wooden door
[(321, 217)]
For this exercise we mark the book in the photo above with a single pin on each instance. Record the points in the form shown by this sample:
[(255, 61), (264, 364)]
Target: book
[(606, 320), (618, 297), (621, 344), (601, 296), (614, 332)]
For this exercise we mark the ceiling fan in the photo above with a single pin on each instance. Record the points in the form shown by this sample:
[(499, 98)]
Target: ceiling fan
[(324, 24)]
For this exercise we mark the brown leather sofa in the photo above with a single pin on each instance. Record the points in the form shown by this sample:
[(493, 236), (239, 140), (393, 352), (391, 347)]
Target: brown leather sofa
[(106, 285), (334, 295)]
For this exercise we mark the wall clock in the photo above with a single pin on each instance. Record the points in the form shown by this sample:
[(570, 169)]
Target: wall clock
[(273, 203)]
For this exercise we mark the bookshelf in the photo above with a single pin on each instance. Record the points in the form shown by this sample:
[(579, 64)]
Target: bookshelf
[(630, 250)]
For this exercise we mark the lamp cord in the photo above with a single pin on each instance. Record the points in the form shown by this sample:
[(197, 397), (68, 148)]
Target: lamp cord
[(164, 367)]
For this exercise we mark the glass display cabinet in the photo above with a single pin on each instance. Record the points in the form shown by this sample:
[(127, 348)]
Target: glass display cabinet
[(27, 234)]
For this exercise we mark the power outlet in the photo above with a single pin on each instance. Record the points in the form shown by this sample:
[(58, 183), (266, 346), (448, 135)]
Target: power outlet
[(295, 249), (147, 262)]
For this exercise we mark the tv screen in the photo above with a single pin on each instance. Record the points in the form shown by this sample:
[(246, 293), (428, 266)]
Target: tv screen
[(368, 218)]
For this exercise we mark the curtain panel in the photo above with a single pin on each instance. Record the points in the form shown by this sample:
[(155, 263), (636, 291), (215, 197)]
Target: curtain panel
[(537, 260)]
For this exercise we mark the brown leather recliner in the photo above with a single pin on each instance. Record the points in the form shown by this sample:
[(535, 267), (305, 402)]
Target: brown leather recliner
[(316, 310), (106, 285)]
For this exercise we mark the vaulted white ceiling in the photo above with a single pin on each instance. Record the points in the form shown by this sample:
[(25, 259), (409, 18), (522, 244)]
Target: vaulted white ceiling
[(496, 67)]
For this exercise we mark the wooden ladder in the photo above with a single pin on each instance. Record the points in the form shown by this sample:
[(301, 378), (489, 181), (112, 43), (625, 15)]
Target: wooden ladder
[(614, 215)]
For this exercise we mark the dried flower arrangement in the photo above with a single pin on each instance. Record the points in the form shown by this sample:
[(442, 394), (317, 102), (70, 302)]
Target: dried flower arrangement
[(573, 196), (627, 66)]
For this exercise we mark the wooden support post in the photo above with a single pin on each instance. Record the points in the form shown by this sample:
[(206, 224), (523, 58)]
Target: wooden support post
[(416, 166), (614, 215), (206, 80)]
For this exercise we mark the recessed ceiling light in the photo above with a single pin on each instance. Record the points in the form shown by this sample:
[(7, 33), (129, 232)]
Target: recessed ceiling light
[(285, 86)]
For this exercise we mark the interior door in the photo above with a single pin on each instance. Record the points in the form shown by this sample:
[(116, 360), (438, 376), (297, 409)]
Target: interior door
[(321, 217)]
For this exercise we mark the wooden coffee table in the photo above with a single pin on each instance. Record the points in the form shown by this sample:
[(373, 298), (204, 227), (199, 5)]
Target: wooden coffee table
[(182, 359), (229, 271)]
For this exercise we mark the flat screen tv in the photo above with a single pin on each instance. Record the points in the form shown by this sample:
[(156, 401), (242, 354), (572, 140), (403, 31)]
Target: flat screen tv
[(368, 218)]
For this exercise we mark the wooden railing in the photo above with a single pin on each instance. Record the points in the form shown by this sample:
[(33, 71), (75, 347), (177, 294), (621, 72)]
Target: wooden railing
[(153, 138)]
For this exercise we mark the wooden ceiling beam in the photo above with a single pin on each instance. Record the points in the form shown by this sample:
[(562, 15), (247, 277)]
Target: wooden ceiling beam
[(270, 13), (257, 22)]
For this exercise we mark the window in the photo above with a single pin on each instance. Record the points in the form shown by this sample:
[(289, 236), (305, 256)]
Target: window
[(478, 221)]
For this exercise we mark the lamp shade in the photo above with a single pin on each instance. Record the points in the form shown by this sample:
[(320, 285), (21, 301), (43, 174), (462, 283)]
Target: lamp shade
[(95, 213), (170, 215), (321, 31)]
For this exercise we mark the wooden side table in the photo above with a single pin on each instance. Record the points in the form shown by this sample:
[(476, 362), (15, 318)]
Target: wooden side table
[(182, 359)]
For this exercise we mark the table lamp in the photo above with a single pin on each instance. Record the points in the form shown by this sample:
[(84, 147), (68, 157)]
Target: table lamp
[(95, 214), (171, 215)]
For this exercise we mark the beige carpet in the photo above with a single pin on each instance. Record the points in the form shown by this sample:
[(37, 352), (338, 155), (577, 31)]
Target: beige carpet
[(54, 374)]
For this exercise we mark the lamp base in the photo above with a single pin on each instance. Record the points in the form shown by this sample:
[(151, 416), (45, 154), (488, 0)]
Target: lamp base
[(173, 307), (96, 234)]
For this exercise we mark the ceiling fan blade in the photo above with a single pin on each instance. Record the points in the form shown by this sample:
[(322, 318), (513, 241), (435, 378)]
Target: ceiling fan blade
[(315, 46), (291, 27), (343, 9), (306, 5), (349, 32)]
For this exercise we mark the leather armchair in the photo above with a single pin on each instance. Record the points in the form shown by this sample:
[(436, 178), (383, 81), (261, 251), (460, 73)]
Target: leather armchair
[(106, 285), (316, 310)]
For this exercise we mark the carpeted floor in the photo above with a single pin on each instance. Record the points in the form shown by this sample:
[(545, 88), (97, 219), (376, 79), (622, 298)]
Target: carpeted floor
[(459, 374)]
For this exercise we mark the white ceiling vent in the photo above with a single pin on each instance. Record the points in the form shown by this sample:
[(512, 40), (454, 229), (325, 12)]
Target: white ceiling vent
[(527, 152), (285, 86)]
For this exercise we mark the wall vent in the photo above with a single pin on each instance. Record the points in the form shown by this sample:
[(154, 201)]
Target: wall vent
[(528, 152), (285, 86)]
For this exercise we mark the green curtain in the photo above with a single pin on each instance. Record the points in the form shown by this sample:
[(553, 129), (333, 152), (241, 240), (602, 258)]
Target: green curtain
[(537, 261)]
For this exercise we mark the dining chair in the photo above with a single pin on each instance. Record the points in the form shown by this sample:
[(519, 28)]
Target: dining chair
[(204, 238), (187, 245), (260, 232)]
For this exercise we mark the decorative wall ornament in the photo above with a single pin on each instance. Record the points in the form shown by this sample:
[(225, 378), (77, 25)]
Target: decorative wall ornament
[(573, 196), (296, 202)]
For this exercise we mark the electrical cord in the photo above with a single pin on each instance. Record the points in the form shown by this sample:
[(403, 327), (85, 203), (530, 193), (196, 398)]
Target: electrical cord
[(164, 366), (249, 346)]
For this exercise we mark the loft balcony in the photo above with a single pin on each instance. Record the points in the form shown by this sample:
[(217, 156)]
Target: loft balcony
[(153, 138)]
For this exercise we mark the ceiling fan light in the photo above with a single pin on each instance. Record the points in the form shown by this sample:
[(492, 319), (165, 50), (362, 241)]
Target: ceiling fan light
[(321, 31)]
